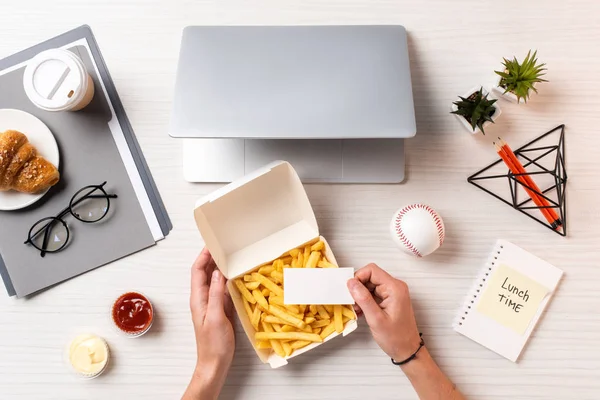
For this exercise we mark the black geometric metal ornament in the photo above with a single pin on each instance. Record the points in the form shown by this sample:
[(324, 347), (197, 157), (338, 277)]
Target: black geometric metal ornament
[(544, 163)]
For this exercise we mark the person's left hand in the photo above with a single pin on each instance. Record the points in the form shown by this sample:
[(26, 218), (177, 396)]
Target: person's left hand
[(215, 340)]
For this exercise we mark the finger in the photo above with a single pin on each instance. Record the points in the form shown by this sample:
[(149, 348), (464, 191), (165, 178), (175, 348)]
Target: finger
[(209, 272), (370, 285), (216, 296), (366, 302), (376, 280), (357, 310), (373, 274), (199, 286), (228, 304), (382, 292), (203, 259)]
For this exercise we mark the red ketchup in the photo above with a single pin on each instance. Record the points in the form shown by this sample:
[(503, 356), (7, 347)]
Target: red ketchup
[(132, 313)]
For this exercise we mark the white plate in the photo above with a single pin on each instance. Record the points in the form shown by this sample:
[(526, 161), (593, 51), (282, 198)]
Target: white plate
[(39, 136)]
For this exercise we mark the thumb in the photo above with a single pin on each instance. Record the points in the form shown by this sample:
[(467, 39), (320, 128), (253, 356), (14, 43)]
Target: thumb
[(364, 299), (216, 296)]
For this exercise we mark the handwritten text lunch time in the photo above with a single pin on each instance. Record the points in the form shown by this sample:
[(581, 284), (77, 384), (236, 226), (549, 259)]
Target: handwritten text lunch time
[(510, 289)]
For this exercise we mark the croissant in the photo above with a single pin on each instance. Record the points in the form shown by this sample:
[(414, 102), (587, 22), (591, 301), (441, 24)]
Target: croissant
[(21, 167)]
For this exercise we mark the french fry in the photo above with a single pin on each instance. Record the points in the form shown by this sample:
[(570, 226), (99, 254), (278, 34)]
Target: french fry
[(275, 320), (285, 328), (252, 285), (287, 336), (265, 270), (275, 344), (306, 255), (287, 348), (298, 344), (260, 299), (294, 310), (255, 320), (313, 259), (276, 300), (278, 276), (320, 245), (248, 308), (348, 313), (328, 330), (297, 315), (320, 324), (325, 264), (267, 283), (286, 260), (285, 316), (278, 265), (337, 318), (245, 292), (263, 345), (323, 312)]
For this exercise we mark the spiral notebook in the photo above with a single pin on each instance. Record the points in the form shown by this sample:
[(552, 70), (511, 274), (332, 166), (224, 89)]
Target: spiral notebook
[(507, 300)]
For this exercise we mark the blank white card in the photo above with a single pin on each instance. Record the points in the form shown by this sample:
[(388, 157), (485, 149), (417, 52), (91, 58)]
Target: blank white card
[(317, 285)]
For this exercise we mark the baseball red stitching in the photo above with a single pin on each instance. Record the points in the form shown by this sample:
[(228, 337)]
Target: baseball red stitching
[(436, 219)]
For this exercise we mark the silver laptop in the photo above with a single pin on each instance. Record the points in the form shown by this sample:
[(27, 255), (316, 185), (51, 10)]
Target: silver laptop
[(335, 101)]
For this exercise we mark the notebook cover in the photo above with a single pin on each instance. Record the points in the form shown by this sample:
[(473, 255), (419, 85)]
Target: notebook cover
[(486, 331)]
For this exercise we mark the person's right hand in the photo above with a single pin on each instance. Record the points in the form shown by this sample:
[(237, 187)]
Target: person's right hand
[(386, 304)]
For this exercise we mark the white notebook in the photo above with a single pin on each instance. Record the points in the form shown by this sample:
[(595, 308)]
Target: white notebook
[(507, 300)]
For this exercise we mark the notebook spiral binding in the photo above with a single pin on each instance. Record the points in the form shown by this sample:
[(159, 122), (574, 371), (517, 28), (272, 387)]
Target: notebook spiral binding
[(478, 286)]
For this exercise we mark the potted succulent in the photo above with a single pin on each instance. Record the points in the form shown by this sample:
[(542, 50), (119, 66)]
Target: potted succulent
[(475, 111), (518, 79)]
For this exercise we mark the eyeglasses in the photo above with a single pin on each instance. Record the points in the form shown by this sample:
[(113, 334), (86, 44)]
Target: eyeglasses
[(89, 205)]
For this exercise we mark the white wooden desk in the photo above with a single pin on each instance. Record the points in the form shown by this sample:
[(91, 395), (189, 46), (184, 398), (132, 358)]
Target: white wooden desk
[(454, 45)]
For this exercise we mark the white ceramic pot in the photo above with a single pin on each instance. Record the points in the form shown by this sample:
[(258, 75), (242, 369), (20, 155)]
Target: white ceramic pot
[(466, 123)]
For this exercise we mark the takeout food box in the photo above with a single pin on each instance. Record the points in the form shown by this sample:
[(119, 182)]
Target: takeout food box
[(253, 221)]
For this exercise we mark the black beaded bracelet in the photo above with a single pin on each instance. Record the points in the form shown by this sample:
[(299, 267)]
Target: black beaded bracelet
[(414, 355)]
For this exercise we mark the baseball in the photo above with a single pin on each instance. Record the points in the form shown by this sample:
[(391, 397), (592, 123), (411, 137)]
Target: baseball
[(417, 229)]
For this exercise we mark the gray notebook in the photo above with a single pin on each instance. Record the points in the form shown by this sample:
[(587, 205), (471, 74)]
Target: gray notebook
[(90, 154)]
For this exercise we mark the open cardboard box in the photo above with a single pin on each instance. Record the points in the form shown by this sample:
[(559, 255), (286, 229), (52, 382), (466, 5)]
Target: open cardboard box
[(253, 221)]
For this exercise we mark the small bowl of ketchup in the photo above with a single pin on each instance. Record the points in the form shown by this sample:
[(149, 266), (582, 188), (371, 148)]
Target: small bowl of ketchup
[(132, 314)]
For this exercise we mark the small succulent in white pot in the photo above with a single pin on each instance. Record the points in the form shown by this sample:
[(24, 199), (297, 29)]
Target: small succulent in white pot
[(518, 79), (475, 110)]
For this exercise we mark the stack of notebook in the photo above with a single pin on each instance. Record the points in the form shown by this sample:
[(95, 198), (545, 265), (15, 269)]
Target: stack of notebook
[(96, 145)]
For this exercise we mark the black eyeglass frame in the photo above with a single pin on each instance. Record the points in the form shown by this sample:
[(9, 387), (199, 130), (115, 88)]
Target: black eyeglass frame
[(68, 210)]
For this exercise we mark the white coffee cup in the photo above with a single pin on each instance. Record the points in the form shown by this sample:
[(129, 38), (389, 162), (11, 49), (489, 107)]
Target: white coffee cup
[(57, 80)]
